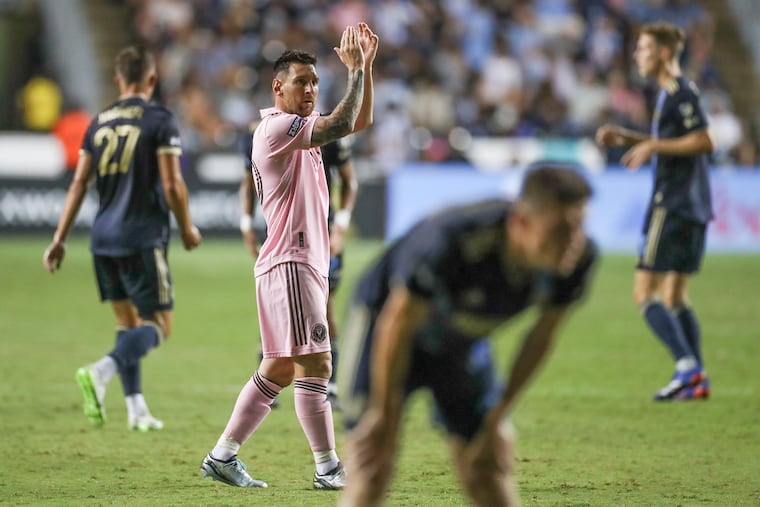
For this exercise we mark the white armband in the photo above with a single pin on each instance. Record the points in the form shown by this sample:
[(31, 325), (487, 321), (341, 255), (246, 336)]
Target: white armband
[(246, 223), (342, 218)]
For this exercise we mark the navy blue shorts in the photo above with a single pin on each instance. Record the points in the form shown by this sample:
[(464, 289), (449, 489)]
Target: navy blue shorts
[(336, 272), (671, 243), (461, 376), (142, 278)]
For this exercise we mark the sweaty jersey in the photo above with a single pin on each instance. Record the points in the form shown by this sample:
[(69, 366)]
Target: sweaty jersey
[(681, 183), (292, 188), (124, 141), (456, 261)]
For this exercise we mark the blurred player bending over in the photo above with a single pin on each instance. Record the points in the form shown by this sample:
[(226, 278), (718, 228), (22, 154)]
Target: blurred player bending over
[(133, 147), (421, 309), (680, 207), (292, 267), (336, 158)]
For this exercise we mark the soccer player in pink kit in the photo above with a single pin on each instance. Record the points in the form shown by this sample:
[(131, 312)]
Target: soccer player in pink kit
[(291, 271)]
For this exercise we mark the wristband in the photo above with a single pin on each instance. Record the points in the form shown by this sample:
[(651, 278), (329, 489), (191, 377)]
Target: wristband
[(342, 218), (246, 223)]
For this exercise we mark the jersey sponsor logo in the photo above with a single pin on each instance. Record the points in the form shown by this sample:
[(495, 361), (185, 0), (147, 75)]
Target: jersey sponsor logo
[(318, 333), (295, 126)]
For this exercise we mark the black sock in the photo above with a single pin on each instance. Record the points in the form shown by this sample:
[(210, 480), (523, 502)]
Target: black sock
[(667, 329), (134, 344), (690, 325), (129, 373)]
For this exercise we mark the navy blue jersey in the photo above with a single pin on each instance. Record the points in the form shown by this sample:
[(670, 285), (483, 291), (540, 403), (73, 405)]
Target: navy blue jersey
[(124, 141), (456, 261), (681, 183), (334, 155), (245, 143)]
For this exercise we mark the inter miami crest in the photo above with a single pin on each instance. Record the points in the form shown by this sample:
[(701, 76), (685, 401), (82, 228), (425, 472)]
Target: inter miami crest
[(318, 332)]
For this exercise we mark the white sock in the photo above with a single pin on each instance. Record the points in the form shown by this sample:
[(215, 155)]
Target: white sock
[(686, 363), (225, 448), (106, 368), (326, 461), (136, 405)]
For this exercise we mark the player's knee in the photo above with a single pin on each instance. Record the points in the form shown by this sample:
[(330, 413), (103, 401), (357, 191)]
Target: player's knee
[(279, 370), (641, 297), (162, 323), (166, 328), (315, 365), (669, 301), (322, 368)]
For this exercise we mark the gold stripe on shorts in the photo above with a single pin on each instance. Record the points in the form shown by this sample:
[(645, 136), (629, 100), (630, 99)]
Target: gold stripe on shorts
[(653, 236), (164, 288)]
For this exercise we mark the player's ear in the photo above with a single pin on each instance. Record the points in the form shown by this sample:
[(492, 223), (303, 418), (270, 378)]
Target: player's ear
[(277, 87)]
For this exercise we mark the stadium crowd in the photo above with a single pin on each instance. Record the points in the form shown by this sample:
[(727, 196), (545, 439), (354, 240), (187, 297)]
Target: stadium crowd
[(448, 70)]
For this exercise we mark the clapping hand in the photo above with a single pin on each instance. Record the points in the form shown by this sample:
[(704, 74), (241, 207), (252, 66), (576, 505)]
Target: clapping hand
[(350, 51)]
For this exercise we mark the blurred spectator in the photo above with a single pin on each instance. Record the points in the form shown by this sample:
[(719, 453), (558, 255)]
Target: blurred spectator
[(724, 127), (70, 129), (40, 101), (490, 67)]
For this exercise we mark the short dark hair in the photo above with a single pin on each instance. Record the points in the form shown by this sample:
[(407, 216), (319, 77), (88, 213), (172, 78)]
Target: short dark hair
[(291, 56), (548, 184), (134, 63), (667, 35)]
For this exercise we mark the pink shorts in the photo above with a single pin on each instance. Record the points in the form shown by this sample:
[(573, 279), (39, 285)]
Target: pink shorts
[(292, 302)]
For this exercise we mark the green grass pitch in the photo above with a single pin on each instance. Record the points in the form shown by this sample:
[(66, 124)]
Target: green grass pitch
[(588, 433)]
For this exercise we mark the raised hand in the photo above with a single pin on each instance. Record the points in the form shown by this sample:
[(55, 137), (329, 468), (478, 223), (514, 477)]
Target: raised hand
[(369, 42), (350, 51)]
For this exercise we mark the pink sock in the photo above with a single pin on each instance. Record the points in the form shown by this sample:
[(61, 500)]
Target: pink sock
[(314, 412), (252, 406)]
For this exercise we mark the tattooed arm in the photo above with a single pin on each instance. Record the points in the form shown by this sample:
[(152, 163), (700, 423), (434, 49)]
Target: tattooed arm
[(341, 121), (343, 118)]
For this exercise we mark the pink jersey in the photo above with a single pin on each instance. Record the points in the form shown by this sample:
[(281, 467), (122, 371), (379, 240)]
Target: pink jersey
[(290, 181)]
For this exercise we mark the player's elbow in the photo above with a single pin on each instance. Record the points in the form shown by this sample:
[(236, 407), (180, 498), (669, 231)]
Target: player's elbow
[(363, 123)]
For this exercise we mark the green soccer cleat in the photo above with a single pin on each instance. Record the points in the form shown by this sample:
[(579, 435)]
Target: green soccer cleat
[(94, 392)]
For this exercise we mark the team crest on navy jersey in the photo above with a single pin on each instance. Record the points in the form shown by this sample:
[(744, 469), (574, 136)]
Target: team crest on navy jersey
[(318, 332)]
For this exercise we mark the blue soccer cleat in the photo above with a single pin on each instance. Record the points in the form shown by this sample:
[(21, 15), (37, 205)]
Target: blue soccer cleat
[(680, 381), (700, 391)]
